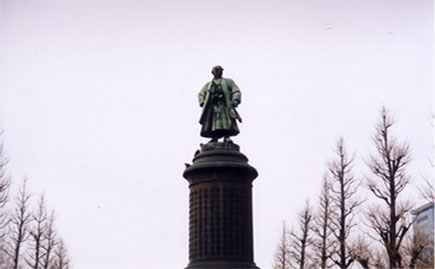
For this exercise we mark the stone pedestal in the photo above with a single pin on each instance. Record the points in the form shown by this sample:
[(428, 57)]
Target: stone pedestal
[(220, 211)]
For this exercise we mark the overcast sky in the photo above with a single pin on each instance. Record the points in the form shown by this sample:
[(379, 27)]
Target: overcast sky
[(98, 101)]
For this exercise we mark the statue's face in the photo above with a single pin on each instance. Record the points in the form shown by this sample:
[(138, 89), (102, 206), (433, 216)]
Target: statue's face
[(217, 72)]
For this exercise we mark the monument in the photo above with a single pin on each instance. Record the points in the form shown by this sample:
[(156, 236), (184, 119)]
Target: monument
[(220, 185)]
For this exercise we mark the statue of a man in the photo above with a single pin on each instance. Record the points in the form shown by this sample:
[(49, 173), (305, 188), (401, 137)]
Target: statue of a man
[(219, 99)]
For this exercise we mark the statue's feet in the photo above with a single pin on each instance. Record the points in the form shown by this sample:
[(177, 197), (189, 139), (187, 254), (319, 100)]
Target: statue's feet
[(227, 139), (214, 139)]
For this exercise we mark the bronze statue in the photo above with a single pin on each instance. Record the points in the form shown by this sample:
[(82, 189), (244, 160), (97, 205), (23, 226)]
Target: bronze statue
[(219, 99)]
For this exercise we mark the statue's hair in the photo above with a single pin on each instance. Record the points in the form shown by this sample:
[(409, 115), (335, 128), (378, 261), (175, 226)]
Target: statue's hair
[(216, 67)]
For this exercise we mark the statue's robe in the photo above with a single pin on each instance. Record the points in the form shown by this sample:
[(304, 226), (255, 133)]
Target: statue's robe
[(219, 115)]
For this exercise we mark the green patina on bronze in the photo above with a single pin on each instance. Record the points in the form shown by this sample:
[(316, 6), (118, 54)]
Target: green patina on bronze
[(219, 99)]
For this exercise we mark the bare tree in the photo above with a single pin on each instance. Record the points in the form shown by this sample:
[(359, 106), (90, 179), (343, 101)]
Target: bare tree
[(49, 242), (19, 225), (427, 191), (5, 183), (343, 195), (282, 254), (362, 252), (417, 251), (379, 260), (322, 243), (61, 260), (37, 232), (302, 239), (4, 198), (388, 167)]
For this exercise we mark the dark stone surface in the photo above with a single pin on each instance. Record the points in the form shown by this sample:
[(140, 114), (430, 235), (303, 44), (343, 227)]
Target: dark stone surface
[(220, 211)]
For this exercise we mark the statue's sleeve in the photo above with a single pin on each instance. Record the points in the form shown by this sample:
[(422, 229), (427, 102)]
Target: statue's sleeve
[(236, 95), (202, 95)]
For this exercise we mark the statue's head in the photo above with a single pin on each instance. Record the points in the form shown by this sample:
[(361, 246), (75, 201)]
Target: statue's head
[(217, 71)]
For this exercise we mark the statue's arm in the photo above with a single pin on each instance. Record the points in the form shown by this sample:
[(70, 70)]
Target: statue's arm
[(202, 96), (236, 96)]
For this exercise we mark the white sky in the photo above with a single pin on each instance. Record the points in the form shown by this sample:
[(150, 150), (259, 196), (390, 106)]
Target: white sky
[(98, 100)]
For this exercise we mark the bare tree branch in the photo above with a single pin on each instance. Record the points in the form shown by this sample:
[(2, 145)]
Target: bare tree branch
[(390, 179), (49, 242), (302, 239), (344, 187), (5, 183), (37, 232), (427, 191), (19, 225), (282, 254), (61, 259), (322, 243)]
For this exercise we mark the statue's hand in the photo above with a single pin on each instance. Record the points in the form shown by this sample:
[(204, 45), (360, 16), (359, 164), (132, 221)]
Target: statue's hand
[(235, 103)]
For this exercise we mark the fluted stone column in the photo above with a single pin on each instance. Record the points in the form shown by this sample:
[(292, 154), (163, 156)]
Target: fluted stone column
[(220, 211)]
